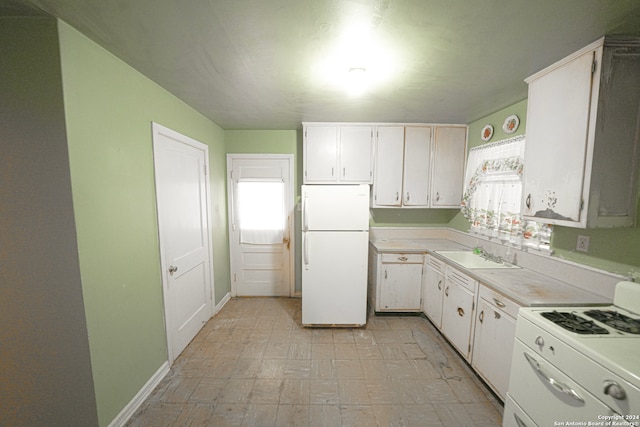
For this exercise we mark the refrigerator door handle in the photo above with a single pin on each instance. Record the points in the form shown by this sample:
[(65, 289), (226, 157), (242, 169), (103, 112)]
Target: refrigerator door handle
[(305, 221), (305, 251)]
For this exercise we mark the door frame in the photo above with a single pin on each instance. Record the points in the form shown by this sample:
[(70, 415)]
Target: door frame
[(290, 204), (157, 130)]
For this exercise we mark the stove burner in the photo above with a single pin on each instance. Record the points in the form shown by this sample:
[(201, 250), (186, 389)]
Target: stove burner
[(616, 320), (574, 323)]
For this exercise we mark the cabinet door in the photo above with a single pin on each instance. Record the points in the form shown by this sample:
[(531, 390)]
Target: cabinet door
[(356, 154), (417, 151), (557, 121), (493, 345), (387, 186), (320, 154), (457, 316), (449, 153), (401, 287), (432, 292)]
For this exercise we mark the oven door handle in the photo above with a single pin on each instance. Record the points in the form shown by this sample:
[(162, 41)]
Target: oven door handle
[(557, 384)]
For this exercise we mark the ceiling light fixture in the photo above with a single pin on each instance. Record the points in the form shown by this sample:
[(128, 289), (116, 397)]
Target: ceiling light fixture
[(356, 81), (359, 58)]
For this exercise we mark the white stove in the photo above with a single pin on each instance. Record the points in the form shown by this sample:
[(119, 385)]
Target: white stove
[(577, 365)]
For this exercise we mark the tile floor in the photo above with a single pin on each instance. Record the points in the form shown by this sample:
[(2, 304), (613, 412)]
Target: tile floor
[(254, 365)]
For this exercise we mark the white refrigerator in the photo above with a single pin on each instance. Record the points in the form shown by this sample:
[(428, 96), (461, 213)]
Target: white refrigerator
[(335, 240)]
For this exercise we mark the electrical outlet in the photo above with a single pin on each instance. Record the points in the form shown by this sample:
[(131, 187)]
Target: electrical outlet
[(583, 244)]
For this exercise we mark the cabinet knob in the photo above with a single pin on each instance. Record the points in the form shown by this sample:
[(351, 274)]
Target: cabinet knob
[(481, 316), (446, 291), (528, 202), (460, 312), (403, 258), (499, 303), (408, 196), (614, 390), (539, 341), (440, 285)]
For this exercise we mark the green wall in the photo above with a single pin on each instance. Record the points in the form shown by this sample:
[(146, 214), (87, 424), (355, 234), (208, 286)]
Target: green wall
[(615, 250), (399, 217), (109, 109)]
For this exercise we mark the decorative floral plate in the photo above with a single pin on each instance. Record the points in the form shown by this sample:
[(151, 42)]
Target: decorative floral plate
[(511, 124), (487, 133)]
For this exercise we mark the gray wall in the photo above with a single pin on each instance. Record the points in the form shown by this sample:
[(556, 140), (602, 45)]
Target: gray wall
[(45, 368)]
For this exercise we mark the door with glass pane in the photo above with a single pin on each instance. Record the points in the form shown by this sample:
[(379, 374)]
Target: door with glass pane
[(260, 189)]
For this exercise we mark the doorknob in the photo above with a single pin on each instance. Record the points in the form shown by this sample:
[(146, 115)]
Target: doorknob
[(286, 241), (172, 269)]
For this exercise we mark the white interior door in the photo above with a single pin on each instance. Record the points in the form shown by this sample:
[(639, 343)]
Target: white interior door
[(182, 192), (260, 189)]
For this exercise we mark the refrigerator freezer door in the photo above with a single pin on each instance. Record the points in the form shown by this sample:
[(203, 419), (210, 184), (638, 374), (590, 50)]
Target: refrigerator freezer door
[(334, 278), (335, 207)]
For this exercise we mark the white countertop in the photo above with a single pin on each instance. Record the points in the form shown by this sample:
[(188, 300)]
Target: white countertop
[(524, 286), (416, 245)]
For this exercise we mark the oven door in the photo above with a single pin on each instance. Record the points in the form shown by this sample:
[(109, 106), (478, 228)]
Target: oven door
[(547, 395), (514, 416)]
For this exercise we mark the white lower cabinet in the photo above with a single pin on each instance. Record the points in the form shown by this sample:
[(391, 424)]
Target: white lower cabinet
[(457, 310), (448, 300), (494, 336), (433, 289), (397, 282)]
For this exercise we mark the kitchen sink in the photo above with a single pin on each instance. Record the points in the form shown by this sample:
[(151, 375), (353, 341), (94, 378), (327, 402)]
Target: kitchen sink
[(471, 260)]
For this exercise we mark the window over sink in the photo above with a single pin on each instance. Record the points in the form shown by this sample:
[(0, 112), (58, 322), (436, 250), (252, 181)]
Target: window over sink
[(492, 196)]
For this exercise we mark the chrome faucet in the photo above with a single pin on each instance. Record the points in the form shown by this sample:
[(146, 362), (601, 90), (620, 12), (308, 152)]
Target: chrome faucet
[(491, 257)]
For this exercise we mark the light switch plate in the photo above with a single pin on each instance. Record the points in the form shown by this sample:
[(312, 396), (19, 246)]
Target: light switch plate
[(583, 244)]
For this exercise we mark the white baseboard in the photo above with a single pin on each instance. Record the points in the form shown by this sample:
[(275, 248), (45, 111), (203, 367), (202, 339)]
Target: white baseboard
[(140, 397), (222, 302), (135, 403)]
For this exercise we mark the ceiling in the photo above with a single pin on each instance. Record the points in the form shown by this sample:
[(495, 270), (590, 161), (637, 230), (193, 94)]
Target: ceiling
[(271, 64)]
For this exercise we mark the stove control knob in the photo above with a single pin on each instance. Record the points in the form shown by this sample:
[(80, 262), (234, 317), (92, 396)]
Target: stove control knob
[(614, 390), (539, 341)]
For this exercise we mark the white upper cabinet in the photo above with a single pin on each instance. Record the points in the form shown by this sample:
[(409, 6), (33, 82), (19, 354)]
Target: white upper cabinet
[(338, 153), (581, 156), (356, 154), (387, 184), (449, 153), (419, 166), (320, 153), (402, 166)]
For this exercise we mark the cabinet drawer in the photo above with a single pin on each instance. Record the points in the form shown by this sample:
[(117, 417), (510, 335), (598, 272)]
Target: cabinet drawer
[(461, 278), (436, 263), (402, 258), (500, 301)]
